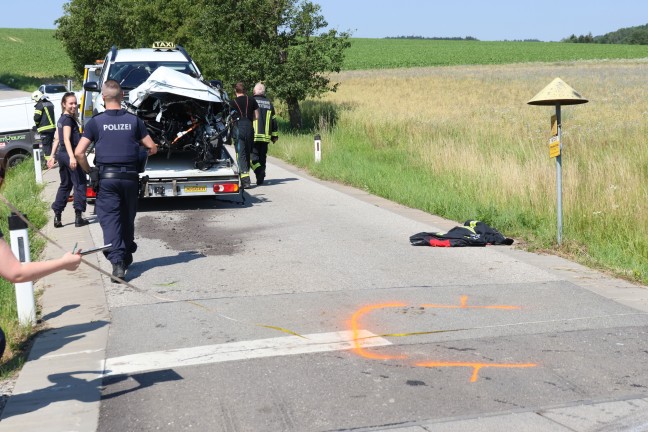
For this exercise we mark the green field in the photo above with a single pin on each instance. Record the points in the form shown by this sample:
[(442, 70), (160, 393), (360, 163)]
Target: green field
[(31, 57), (408, 53)]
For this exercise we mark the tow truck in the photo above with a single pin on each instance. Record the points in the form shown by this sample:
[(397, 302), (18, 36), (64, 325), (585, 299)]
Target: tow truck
[(188, 118)]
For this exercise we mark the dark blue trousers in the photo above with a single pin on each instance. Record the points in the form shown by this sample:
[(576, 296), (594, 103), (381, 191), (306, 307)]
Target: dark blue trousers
[(116, 207), (70, 179), (244, 136)]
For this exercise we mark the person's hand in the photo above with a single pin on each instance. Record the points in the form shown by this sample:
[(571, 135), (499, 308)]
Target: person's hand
[(50, 163), (71, 261), (152, 151), (73, 163)]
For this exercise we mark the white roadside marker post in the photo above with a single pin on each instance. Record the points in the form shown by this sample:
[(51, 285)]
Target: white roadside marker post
[(19, 238), (318, 149), (38, 157)]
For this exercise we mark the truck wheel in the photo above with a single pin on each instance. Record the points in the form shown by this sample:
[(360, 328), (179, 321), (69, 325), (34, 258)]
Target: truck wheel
[(15, 159)]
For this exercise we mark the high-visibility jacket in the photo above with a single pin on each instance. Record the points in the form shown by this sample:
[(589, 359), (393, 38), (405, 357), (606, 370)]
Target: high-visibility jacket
[(472, 233), (265, 128), (44, 116)]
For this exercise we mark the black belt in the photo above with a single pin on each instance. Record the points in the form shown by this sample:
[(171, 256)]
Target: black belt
[(104, 169), (119, 175)]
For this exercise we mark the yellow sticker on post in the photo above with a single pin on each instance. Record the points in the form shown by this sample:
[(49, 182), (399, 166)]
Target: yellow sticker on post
[(554, 147)]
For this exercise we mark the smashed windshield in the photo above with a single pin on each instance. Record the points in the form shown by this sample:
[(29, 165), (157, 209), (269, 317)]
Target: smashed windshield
[(132, 74)]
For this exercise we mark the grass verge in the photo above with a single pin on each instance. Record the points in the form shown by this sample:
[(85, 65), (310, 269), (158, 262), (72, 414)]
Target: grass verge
[(21, 189), (461, 143)]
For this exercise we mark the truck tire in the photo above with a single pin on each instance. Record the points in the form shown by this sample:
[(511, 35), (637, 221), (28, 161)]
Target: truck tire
[(15, 159)]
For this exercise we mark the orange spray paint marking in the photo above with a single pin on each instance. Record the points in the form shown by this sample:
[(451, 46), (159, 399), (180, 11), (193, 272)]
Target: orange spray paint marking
[(463, 304), (476, 366), (356, 331)]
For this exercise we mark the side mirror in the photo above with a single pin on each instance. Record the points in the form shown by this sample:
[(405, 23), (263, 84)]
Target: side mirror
[(216, 84), (91, 86)]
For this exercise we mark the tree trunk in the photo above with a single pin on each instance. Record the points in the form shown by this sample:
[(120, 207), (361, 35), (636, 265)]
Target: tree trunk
[(294, 112)]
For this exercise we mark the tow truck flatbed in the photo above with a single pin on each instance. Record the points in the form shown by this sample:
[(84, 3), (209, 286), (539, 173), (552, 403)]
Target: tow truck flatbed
[(177, 177)]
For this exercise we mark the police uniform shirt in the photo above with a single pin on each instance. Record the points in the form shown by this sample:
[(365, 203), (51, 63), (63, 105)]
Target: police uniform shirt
[(67, 120), (116, 134)]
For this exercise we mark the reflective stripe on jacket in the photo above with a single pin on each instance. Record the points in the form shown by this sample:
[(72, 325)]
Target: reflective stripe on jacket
[(266, 126), (44, 116)]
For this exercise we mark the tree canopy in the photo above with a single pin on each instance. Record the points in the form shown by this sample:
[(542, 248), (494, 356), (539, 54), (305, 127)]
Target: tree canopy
[(279, 42), (628, 36)]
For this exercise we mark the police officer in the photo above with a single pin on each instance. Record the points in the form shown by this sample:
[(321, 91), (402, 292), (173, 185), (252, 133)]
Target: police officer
[(117, 135), (265, 132), (248, 111), (45, 120)]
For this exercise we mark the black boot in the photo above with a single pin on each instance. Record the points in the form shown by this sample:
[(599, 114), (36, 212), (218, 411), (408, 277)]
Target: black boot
[(246, 183), (57, 220), (78, 220), (119, 270), (260, 175)]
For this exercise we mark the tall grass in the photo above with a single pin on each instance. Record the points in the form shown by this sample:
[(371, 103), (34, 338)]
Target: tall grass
[(21, 190), (461, 142)]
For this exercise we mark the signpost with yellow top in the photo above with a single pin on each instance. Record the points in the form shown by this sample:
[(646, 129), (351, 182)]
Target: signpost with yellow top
[(557, 93)]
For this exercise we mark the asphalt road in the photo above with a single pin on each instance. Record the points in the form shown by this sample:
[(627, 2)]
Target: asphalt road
[(302, 310), (10, 93)]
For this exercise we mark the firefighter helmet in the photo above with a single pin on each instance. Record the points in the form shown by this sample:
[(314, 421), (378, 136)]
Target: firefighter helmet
[(36, 96)]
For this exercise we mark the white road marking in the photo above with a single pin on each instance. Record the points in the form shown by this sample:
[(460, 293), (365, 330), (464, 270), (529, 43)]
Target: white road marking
[(280, 346)]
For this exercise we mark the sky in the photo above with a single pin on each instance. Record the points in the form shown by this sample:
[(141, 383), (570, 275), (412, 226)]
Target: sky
[(545, 20)]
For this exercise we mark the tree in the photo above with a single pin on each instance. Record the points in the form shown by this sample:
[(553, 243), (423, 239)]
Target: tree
[(275, 41), (87, 30)]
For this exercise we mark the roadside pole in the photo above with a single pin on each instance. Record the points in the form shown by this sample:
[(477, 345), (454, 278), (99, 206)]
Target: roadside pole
[(19, 238), (38, 168), (557, 93), (318, 149)]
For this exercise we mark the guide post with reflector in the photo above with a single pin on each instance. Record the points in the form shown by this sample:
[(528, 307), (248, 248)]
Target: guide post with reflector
[(19, 240), (38, 157), (318, 148)]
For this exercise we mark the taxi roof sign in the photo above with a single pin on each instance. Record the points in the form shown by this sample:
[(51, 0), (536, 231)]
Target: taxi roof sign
[(557, 93), (163, 45)]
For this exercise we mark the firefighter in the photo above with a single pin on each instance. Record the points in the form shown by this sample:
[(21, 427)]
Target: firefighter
[(45, 120), (117, 135), (248, 112), (265, 132)]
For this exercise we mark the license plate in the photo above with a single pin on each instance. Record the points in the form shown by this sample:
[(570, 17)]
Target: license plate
[(193, 189)]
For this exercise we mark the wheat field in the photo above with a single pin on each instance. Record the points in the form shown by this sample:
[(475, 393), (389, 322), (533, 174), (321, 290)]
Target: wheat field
[(462, 142)]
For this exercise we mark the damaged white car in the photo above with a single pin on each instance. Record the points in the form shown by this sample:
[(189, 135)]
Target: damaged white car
[(164, 87), (183, 113), (188, 118)]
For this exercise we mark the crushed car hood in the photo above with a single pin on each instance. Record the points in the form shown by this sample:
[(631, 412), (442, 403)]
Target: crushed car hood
[(170, 81)]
